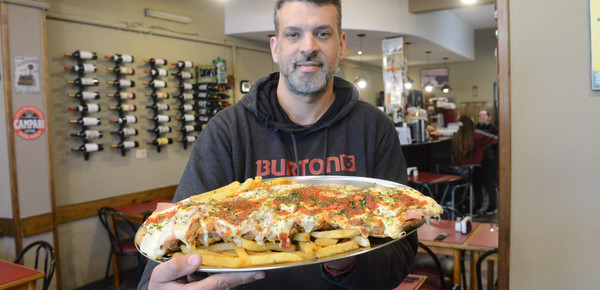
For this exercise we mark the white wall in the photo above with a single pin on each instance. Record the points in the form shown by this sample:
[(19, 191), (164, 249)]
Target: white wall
[(555, 159)]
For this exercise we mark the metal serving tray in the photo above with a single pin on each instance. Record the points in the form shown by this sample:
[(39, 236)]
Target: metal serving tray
[(376, 243)]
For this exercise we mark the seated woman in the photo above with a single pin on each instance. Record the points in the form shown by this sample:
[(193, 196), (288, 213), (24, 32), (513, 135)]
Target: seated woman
[(468, 145)]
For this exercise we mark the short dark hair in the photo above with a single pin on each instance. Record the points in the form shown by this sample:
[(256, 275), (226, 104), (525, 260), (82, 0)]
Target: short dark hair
[(336, 3)]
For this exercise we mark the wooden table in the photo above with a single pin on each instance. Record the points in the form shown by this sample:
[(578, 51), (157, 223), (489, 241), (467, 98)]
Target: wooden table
[(453, 245), (427, 179), (15, 276), (485, 238), (412, 282), (137, 211)]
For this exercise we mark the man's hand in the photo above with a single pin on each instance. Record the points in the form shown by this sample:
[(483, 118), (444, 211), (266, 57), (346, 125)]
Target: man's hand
[(172, 275)]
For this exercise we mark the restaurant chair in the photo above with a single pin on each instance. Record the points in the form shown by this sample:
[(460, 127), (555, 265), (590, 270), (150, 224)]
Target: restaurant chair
[(431, 266), (451, 213), (478, 265), (49, 262), (121, 240)]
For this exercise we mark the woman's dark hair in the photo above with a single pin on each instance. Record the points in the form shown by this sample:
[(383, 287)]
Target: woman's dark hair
[(463, 142)]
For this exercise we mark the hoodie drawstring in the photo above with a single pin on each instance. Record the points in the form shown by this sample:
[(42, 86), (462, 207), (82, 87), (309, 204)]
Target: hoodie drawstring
[(296, 154), (325, 151)]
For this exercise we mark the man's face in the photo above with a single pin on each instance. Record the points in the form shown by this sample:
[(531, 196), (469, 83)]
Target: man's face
[(483, 117), (308, 48)]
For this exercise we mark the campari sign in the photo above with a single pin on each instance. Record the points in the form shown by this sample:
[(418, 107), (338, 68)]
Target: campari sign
[(29, 123)]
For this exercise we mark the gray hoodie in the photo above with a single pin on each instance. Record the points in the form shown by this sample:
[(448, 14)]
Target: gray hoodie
[(256, 138)]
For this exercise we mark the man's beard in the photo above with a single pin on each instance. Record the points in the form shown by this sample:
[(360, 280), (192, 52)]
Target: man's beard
[(310, 83)]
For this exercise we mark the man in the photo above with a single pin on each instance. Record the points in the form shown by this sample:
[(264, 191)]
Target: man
[(302, 121), (489, 166)]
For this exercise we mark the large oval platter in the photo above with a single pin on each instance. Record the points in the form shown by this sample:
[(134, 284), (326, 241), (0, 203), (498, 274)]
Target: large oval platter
[(376, 243)]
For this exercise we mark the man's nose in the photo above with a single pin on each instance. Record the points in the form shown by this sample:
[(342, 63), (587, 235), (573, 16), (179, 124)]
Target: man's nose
[(310, 45)]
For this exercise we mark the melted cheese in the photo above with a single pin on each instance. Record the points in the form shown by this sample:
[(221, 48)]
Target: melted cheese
[(270, 214)]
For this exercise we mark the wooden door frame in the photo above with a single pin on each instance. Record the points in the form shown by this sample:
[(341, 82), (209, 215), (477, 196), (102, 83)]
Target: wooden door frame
[(504, 188)]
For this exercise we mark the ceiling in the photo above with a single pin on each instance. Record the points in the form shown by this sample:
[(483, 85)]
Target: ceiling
[(477, 17)]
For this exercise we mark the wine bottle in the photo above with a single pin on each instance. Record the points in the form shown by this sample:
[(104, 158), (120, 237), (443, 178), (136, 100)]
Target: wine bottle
[(125, 120), (161, 129), (160, 141), (85, 95), (122, 83), (90, 108), (184, 108), (187, 118), (157, 84), (123, 108), (85, 68), (158, 95), (89, 147), (187, 139), (123, 95), (120, 58), (121, 70), (204, 87), (156, 61), (160, 118), (203, 119), (82, 54), (186, 86), (183, 64), (189, 128), (126, 145), (184, 75), (211, 104), (84, 82), (86, 121), (211, 96), (88, 134), (157, 72), (208, 111), (185, 97), (126, 132), (159, 107)]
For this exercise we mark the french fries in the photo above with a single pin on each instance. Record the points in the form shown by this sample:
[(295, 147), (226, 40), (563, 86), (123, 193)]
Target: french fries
[(305, 247), (235, 187)]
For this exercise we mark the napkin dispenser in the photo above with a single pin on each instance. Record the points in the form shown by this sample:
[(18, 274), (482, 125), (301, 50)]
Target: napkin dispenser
[(463, 225)]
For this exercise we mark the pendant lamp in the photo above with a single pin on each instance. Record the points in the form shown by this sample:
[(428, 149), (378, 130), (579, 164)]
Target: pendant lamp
[(408, 82), (428, 85), (361, 81), (446, 88)]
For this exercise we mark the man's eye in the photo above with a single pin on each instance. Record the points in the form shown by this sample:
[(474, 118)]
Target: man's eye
[(323, 34), (292, 35)]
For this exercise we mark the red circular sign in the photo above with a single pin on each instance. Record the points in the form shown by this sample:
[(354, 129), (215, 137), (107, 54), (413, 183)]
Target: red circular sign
[(29, 123)]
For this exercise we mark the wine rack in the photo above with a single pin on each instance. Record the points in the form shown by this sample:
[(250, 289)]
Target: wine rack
[(157, 72), (82, 82), (187, 111), (211, 88), (121, 82)]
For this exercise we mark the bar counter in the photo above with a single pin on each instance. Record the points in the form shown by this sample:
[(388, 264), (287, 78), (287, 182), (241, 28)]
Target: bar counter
[(426, 155)]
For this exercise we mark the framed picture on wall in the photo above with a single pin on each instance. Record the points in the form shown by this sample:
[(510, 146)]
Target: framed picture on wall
[(437, 76)]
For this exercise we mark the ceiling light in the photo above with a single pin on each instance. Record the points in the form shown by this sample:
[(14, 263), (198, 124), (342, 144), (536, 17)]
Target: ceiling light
[(361, 81), (167, 16), (468, 1), (428, 85), (409, 83), (446, 88)]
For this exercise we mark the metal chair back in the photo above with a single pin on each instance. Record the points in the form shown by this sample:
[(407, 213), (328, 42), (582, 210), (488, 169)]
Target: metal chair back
[(49, 261)]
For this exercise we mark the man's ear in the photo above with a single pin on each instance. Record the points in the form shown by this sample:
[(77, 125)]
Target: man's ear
[(342, 45), (274, 47)]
